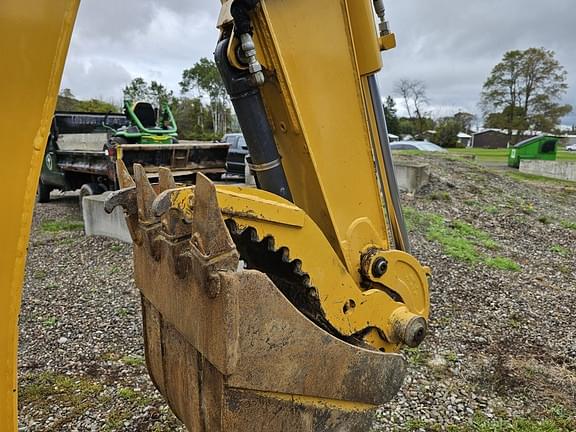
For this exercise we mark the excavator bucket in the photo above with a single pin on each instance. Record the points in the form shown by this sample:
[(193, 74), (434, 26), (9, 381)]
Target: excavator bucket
[(228, 349)]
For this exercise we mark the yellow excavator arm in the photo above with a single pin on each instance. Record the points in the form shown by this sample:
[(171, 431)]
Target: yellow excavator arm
[(274, 308), (34, 38), (281, 307), (317, 103)]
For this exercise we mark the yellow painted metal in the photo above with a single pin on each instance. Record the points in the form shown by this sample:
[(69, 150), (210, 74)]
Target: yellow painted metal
[(387, 42), (34, 38), (318, 57), (315, 104), (365, 41), (348, 309)]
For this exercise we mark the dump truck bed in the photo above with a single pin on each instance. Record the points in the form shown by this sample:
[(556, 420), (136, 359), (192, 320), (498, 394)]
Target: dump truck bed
[(68, 169), (183, 158), (78, 153)]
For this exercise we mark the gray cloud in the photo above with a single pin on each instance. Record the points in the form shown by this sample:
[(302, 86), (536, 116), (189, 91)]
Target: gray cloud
[(156, 40), (102, 78), (451, 46)]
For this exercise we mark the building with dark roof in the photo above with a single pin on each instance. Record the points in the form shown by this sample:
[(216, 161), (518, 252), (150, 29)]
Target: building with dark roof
[(489, 139)]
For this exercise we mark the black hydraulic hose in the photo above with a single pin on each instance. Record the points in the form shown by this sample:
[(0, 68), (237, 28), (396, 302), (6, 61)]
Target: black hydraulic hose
[(249, 106), (388, 165), (240, 10)]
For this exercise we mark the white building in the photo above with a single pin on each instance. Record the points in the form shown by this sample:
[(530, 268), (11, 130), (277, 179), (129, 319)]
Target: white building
[(464, 139)]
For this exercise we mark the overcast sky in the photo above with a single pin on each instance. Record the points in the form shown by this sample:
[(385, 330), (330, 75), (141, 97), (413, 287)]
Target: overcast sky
[(450, 45)]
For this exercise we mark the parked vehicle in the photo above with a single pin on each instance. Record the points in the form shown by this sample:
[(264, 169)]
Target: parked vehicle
[(82, 150), (571, 147), (235, 161), (425, 146)]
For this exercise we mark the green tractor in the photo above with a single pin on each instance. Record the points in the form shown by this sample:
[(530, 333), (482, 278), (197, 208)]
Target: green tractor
[(147, 125)]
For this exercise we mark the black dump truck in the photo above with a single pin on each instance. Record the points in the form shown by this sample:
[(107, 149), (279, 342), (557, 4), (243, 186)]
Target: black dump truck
[(82, 150)]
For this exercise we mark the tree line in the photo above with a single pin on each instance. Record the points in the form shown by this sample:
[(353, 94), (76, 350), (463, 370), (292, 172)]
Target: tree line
[(419, 123), (523, 93), (68, 102)]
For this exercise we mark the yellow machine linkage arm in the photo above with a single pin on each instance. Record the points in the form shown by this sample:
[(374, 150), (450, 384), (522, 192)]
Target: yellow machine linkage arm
[(304, 87), (34, 38)]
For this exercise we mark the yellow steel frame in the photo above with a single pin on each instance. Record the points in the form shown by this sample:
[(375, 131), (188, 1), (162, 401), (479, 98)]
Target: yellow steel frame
[(291, 227), (318, 58), (34, 39), (319, 115)]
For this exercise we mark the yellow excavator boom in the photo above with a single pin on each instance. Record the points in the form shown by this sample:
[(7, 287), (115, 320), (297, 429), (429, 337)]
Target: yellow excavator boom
[(34, 38), (321, 104)]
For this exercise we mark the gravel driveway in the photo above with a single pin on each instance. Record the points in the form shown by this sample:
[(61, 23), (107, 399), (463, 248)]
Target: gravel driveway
[(500, 355)]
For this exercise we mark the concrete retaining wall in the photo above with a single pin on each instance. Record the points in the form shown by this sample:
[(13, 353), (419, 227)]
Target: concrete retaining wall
[(411, 176), (563, 170), (99, 223)]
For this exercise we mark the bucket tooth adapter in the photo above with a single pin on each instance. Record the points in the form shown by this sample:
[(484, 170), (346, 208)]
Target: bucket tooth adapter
[(283, 307)]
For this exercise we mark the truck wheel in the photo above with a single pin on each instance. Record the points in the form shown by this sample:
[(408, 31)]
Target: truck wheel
[(89, 189), (43, 193)]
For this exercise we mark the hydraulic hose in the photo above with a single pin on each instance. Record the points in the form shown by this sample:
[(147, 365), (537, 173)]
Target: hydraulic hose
[(249, 106)]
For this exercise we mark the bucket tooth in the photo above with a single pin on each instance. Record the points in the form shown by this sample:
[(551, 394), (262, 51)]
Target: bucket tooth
[(145, 194), (125, 180), (165, 179), (150, 225), (174, 222), (210, 235), (125, 198), (181, 199)]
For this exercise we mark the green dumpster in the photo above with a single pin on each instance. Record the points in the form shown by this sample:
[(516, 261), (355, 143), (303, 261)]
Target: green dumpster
[(542, 147)]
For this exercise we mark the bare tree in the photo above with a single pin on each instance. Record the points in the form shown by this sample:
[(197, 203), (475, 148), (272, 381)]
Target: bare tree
[(402, 88), (413, 93)]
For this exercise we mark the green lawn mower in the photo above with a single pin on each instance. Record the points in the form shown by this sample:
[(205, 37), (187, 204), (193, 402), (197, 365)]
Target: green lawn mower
[(147, 125)]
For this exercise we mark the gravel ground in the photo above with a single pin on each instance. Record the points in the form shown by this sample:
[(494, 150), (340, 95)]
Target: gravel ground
[(81, 359), (500, 355)]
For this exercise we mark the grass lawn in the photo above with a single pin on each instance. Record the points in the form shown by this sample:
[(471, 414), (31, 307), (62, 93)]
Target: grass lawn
[(501, 155)]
